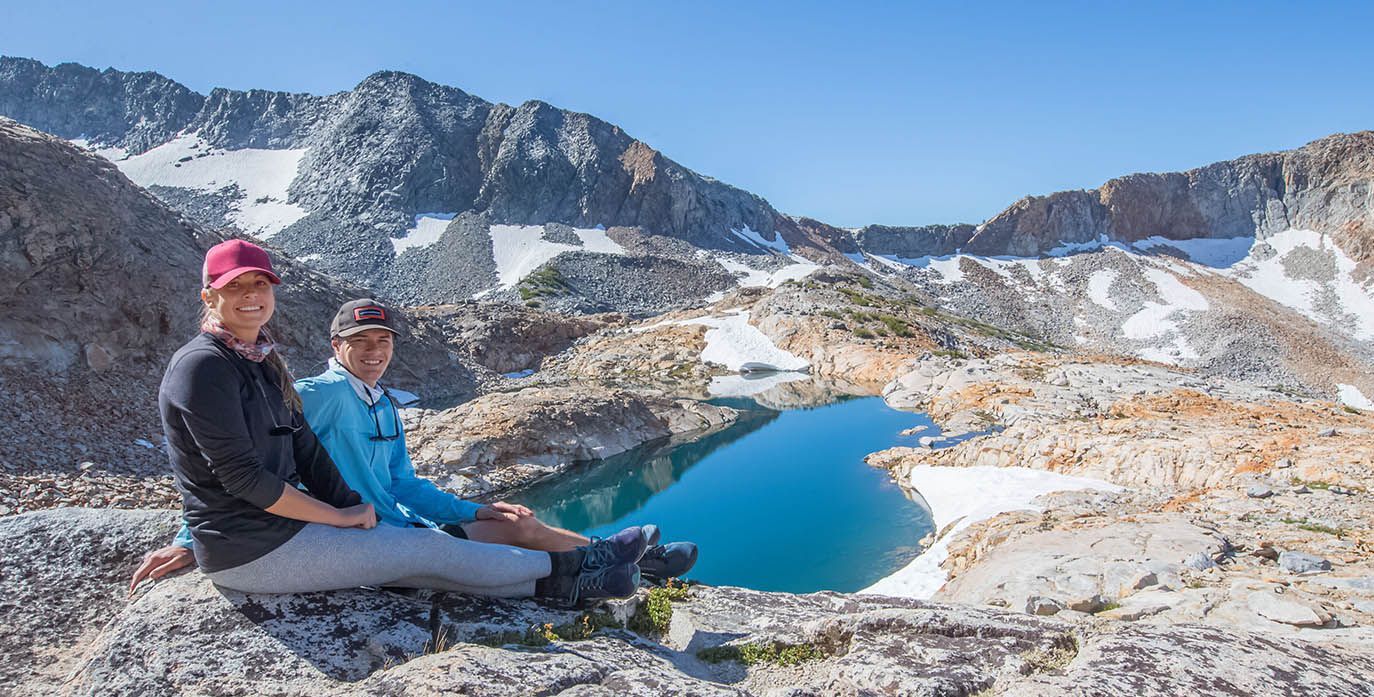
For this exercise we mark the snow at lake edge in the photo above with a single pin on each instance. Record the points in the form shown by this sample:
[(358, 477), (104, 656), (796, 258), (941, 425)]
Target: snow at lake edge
[(964, 496)]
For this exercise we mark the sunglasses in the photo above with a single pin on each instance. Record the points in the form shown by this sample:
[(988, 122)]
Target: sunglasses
[(278, 429), (395, 418)]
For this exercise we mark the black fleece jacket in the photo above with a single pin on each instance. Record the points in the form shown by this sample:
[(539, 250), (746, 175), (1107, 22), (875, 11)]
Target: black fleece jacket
[(218, 411)]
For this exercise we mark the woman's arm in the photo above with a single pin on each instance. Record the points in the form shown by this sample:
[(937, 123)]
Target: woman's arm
[(318, 471), (297, 505)]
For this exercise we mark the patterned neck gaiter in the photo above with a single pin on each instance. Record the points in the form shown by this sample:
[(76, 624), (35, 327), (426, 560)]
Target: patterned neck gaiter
[(255, 352)]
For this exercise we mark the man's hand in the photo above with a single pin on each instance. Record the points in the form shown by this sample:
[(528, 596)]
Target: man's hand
[(503, 511), (160, 562), (359, 516)]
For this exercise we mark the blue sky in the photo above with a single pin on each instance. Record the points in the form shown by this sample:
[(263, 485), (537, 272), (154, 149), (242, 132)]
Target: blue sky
[(852, 113)]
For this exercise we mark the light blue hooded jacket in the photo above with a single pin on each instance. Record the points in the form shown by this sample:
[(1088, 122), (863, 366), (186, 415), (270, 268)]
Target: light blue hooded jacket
[(339, 409)]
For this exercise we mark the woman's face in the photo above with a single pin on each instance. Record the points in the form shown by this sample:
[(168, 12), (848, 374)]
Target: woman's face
[(244, 304)]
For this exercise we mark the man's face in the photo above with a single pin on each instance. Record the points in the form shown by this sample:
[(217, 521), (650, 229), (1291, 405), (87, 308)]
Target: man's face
[(365, 354)]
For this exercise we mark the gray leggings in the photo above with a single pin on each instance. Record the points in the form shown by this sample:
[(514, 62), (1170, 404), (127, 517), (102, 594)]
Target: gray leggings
[(322, 557)]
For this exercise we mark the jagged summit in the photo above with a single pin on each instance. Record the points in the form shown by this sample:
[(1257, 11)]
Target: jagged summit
[(347, 179)]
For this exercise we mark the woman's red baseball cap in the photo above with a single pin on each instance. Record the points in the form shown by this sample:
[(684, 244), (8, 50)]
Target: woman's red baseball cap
[(233, 258)]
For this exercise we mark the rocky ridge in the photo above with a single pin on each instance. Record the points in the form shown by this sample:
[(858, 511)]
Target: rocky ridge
[(1323, 186), (394, 147)]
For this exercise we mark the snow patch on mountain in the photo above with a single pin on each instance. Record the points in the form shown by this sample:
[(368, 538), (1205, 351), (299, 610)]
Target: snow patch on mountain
[(1158, 321), (426, 231), (1100, 286), (860, 260), (732, 342), (777, 244), (520, 249), (1351, 396), (752, 277), (1067, 248), (1300, 269), (946, 267), (262, 175)]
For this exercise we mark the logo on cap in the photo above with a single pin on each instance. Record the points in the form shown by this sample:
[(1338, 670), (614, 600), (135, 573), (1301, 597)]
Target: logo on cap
[(368, 312)]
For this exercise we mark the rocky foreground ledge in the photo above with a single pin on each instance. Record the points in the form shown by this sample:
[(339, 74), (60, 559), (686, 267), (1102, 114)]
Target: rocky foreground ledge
[(70, 629)]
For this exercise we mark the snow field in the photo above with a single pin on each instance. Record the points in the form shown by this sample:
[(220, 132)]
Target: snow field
[(778, 244), (801, 268), (263, 175), (425, 232), (520, 249), (732, 342)]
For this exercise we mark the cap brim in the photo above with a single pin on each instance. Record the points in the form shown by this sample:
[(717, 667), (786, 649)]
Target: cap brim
[(232, 274), (364, 327)]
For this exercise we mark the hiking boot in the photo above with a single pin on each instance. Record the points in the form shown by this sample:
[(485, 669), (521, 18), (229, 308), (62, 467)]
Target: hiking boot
[(651, 533), (662, 562), (626, 546), (573, 589), (619, 581)]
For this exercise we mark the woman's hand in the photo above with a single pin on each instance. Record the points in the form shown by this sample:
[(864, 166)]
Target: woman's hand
[(503, 511), (160, 562), (359, 516)]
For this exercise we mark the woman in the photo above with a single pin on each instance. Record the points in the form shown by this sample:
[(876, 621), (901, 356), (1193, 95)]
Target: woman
[(240, 447)]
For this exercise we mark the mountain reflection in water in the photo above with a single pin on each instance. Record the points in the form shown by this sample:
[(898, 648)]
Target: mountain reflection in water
[(780, 500), (606, 491)]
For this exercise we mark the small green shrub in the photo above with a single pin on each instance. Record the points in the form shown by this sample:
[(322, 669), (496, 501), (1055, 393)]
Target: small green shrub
[(546, 282), (1305, 524), (771, 653), (895, 325), (655, 614)]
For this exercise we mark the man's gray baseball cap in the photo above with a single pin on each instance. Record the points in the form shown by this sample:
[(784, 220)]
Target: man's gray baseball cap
[(361, 315)]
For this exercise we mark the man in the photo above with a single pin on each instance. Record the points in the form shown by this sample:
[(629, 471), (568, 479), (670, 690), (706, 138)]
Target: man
[(356, 420)]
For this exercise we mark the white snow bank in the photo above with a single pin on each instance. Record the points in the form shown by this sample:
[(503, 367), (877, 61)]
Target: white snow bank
[(963, 496), (263, 175), (426, 231), (801, 268), (732, 342), (859, 259), (1351, 396), (1066, 248), (1217, 253), (946, 266), (778, 244), (402, 397), (1263, 265), (520, 249), (1099, 287), (1159, 320)]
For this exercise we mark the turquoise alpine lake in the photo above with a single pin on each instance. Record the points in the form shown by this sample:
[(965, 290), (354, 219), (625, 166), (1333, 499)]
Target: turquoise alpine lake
[(780, 501)]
